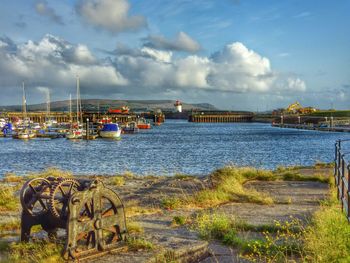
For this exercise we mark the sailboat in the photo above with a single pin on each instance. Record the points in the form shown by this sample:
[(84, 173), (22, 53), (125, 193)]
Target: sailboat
[(26, 132), (75, 132)]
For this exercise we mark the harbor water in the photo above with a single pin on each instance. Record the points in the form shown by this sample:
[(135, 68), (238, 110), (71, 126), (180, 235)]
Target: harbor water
[(174, 147)]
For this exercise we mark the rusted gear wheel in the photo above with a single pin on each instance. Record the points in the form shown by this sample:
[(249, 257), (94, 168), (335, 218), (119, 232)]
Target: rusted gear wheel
[(59, 196), (34, 196)]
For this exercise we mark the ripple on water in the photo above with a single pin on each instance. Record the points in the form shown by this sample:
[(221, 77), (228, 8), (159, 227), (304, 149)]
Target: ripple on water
[(174, 147)]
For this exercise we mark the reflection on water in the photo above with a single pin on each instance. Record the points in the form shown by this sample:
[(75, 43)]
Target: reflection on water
[(175, 147)]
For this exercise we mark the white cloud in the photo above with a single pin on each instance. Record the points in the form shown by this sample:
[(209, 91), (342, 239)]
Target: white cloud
[(162, 56), (182, 42), (53, 62), (239, 69), (43, 9), (111, 15)]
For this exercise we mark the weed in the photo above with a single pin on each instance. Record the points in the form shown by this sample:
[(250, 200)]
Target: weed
[(183, 176), (38, 251), (171, 203), (117, 180), (8, 200), (51, 171), (327, 238), (179, 221), (134, 227), (279, 246), (12, 178), (137, 244), (13, 225)]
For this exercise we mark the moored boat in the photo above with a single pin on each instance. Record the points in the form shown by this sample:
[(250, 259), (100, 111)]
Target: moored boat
[(130, 127), (24, 134), (110, 130), (143, 124)]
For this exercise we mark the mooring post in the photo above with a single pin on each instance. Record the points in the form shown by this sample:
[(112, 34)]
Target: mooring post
[(87, 129)]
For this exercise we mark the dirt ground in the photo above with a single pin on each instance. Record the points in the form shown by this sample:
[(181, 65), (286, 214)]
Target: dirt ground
[(298, 199)]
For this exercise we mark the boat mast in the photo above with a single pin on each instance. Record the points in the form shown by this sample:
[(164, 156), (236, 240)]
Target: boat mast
[(48, 110), (78, 99), (70, 108), (24, 103)]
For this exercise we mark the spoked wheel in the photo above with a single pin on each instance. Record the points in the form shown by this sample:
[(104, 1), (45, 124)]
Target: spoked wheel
[(84, 239), (34, 196), (59, 196), (110, 225)]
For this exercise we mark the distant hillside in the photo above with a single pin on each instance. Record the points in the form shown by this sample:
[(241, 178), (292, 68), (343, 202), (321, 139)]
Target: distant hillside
[(93, 104)]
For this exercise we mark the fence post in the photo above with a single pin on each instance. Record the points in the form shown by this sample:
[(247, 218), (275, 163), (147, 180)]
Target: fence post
[(348, 194), (341, 177), (338, 169)]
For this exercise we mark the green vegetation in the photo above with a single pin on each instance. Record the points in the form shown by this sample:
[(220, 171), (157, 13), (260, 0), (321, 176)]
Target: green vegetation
[(137, 244), (133, 208), (39, 251), (330, 113), (12, 178), (51, 171), (183, 176), (134, 227), (179, 221), (324, 239), (117, 180), (226, 186), (327, 239), (8, 200), (13, 225)]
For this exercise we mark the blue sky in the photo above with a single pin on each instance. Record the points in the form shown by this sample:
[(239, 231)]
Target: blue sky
[(235, 54)]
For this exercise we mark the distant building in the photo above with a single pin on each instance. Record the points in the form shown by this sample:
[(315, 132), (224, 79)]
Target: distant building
[(295, 108), (178, 106)]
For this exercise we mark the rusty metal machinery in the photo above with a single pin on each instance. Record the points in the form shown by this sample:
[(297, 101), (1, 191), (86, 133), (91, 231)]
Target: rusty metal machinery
[(92, 214)]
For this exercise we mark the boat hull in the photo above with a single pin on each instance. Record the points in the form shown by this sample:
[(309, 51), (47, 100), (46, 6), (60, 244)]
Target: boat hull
[(110, 134), (144, 126), (24, 136)]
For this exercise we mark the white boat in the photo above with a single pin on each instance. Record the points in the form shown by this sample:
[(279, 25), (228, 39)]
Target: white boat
[(75, 131), (24, 134), (3, 122), (110, 130), (74, 134)]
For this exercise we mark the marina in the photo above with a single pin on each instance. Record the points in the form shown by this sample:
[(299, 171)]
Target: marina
[(177, 146)]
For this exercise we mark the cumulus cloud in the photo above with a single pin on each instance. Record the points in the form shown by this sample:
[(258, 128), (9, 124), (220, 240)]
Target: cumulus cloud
[(53, 62), (43, 9), (182, 42), (111, 15)]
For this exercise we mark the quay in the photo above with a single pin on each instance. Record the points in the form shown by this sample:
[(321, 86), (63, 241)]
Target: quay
[(317, 123), (64, 117), (220, 116)]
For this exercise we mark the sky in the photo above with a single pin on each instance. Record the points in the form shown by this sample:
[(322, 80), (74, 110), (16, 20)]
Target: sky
[(234, 54)]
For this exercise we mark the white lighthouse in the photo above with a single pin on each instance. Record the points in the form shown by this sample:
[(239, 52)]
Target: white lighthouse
[(178, 106)]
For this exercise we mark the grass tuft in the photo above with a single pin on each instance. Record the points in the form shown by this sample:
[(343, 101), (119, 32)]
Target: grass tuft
[(134, 227), (117, 180), (179, 221), (39, 251), (138, 244), (8, 200)]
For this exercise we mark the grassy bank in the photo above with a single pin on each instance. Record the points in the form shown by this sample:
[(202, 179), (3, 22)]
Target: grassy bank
[(324, 238), (228, 185)]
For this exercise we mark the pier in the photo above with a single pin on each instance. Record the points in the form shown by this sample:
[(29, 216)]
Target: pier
[(332, 124), (64, 117), (220, 116)]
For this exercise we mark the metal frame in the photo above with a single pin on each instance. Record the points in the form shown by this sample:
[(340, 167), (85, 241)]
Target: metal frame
[(342, 177)]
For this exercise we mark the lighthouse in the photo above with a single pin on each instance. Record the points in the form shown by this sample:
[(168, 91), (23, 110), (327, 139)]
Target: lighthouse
[(178, 106)]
